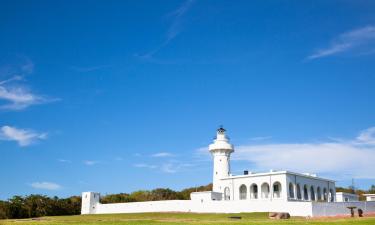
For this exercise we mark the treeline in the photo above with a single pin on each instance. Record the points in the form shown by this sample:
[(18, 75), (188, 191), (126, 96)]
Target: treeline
[(153, 195), (359, 192), (39, 205)]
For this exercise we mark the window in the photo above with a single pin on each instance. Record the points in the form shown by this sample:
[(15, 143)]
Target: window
[(254, 191), (243, 192), (226, 193), (291, 190)]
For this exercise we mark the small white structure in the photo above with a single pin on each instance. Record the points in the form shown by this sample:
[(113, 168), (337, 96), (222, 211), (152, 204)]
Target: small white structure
[(274, 191), (346, 197), (370, 197)]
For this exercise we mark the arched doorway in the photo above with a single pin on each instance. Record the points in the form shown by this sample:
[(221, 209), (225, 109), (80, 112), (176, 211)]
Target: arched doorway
[(226, 193), (319, 194), (332, 195), (312, 193), (291, 190), (299, 195), (305, 193), (265, 189), (276, 189), (254, 191), (243, 192)]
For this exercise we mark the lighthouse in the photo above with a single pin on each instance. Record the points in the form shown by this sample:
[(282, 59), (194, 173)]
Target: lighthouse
[(220, 151)]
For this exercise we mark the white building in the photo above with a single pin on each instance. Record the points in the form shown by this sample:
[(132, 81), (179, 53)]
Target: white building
[(274, 191), (346, 197), (370, 197), (273, 185)]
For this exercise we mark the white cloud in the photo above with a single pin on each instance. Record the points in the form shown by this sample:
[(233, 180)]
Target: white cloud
[(89, 68), (353, 40), (162, 154), (174, 29), (144, 165), (261, 138), (90, 162), (64, 161), (353, 158), (367, 136), (18, 98), (23, 137), (176, 25), (46, 186), (13, 95), (168, 167)]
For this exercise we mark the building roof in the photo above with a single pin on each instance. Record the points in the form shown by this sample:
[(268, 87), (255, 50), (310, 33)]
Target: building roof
[(346, 193), (311, 176)]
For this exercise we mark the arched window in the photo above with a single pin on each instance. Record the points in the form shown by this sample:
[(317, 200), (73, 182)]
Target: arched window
[(254, 191), (325, 194), (305, 193), (243, 192), (299, 196), (312, 193), (265, 189), (276, 189), (291, 190), (226, 193), (319, 194), (332, 195)]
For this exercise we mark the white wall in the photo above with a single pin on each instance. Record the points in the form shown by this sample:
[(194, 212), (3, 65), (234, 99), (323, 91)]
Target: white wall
[(89, 202), (340, 208), (294, 208), (237, 206), (206, 196)]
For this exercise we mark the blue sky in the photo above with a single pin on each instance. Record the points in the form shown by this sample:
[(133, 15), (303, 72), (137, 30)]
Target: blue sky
[(116, 96)]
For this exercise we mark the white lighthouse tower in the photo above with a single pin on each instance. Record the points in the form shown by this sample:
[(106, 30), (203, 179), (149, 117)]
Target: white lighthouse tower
[(220, 150)]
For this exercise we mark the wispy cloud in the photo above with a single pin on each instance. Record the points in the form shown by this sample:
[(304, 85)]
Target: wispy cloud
[(334, 158), (361, 40), (174, 167), (260, 138), (24, 137), (90, 162), (86, 69), (367, 136), (64, 161), (46, 186), (145, 165), (13, 95), (18, 98), (162, 154), (166, 167), (173, 31)]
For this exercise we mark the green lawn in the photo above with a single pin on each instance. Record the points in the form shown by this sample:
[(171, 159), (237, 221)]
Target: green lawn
[(182, 218)]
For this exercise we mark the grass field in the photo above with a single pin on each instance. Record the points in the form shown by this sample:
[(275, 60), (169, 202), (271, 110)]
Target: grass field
[(183, 218)]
